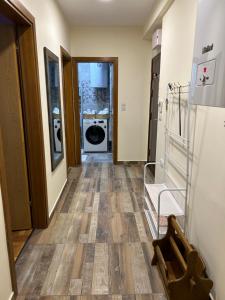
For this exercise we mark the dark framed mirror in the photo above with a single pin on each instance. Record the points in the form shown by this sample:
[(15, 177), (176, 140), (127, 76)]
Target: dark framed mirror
[(54, 107)]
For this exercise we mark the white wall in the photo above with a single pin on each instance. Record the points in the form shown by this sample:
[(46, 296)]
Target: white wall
[(134, 80), (178, 27), (52, 31), (5, 282), (206, 203)]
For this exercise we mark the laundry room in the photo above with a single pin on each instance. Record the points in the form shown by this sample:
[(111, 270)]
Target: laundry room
[(95, 80)]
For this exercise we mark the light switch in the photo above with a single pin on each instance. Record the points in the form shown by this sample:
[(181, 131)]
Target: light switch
[(206, 73), (123, 107)]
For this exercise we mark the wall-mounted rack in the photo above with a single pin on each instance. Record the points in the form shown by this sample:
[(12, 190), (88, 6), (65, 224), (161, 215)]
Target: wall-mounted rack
[(161, 199)]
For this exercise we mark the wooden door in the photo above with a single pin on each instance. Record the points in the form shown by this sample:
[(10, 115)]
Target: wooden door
[(11, 122), (153, 116), (69, 118)]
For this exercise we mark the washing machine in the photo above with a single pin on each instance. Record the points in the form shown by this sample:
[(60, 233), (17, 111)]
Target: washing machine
[(95, 135), (57, 135)]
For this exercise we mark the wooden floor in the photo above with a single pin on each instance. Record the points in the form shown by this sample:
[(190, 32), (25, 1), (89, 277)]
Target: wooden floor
[(96, 157), (19, 239), (98, 244)]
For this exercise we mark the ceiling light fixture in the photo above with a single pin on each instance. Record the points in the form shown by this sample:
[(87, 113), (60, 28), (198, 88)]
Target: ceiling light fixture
[(105, 0)]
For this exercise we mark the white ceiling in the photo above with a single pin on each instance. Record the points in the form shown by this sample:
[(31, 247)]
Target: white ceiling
[(106, 12)]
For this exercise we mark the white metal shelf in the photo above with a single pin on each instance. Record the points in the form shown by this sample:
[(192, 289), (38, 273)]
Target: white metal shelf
[(169, 204), (152, 222), (160, 199)]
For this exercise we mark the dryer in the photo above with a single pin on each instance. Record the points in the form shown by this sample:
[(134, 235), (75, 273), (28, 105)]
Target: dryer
[(95, 135)]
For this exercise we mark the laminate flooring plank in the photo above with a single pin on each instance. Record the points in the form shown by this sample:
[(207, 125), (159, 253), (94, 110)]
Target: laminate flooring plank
[(26, 271), (114, 205), (57, 234), (153, 274), (77, 263), (43, 236), (54, 298), (141, 228), (120, 172), (115, 274), (75, 286), (69, 197), (105, 185), (135, 202), (85, 224), (131, 227), (128, 297), (61, 283), (96, 202), (138, 201), (116, 224), (124, 200), (104, 203), (141, 280), (105, 172), (137, 184), (79, 202), (100, 284), (39, 277), (75, 227), (49, 279), (93, 228), (125, 259), (117, 297), (87, 276), (104, 232), (90, 202)]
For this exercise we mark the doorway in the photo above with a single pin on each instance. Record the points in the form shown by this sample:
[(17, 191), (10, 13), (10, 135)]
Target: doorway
[(96, 109), (22, 155), (153, 114)]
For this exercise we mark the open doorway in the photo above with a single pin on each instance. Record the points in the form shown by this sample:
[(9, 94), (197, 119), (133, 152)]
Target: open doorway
[(96, 89)]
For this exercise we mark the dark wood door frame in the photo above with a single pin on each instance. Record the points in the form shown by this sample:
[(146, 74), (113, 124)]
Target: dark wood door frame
[(151, 107), (31, 102), (68, 104), (114, 61)]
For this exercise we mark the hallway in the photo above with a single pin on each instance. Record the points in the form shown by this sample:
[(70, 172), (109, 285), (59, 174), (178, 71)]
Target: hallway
[(97, 243)]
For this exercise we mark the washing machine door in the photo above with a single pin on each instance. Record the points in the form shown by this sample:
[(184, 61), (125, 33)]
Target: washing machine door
[(95, 135)]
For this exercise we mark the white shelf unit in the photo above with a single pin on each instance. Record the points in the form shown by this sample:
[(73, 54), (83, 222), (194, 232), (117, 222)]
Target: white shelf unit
[(160, 198)]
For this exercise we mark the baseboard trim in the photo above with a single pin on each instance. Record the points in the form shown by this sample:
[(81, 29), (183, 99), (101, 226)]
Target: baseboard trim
[(12, 296), (57, 201)]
